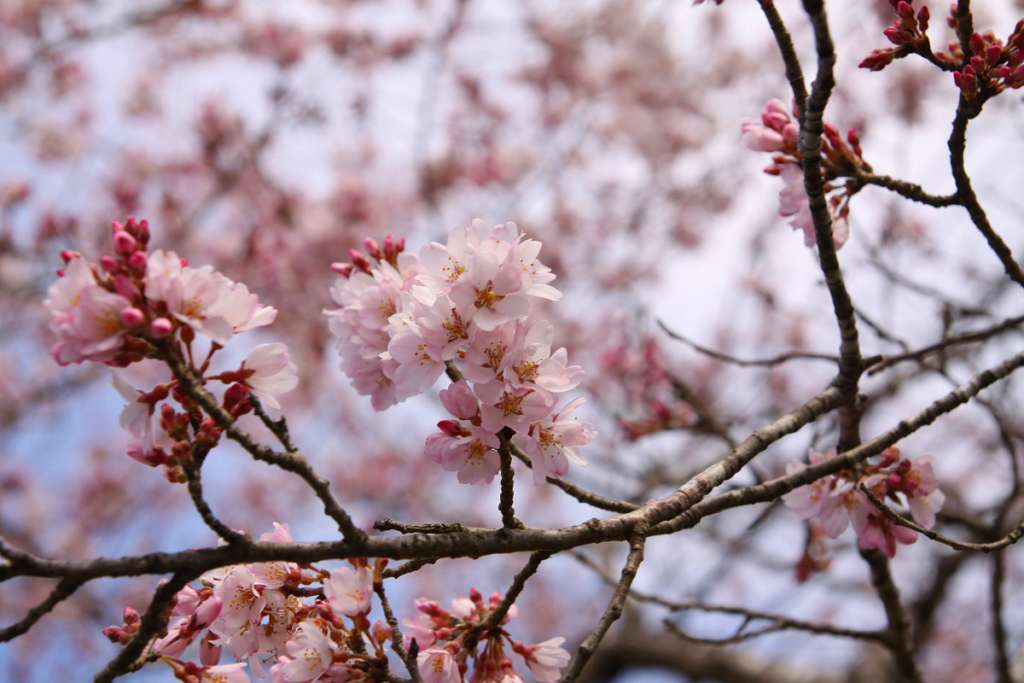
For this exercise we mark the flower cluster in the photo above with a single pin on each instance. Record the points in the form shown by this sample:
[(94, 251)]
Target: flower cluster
[(447, 639), (404, 320), (907, 33), (256, 611), (778, 133), (303, 624), (838, 499), (137, 304)]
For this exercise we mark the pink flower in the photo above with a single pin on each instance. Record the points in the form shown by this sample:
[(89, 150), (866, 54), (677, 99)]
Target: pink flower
[(268, 370), (438, 666), (460, 401), (474, 457), (310, 654), (350, 592), (546, 659), (758, 138), (87, 318), (225, 673), (490, 293), (876, 531), (504, 406), (552, 445)]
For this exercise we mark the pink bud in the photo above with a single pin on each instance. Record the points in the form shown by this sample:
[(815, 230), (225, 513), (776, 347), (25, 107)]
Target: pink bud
[(904, 10), (132, 317), (476, 596), (209, 655), (976, 44), (400, 245), (923, 15), (206, 614), (137, 262), (359, 261), (978, 64), (993, 54), (142, 234), (131, 617), (124, 244), (460, 400), (69, 254), (116, 226), (161, 328), (110, 264), (895, 35), (372, 248), (450, 427), (342, 269)]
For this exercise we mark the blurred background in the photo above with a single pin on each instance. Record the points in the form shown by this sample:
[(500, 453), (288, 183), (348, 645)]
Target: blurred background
[(268, 138)]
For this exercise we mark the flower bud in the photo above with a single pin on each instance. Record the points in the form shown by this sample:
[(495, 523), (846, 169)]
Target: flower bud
[(110, 264), (137, 262), (124, 244), (977, 44), (372, 248), (132, 317), (342, 269), (359, 261), (161, 328)]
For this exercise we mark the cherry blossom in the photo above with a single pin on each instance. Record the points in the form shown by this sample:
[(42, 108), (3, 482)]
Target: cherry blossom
[(268, 370), (437, 665), (350, 592)]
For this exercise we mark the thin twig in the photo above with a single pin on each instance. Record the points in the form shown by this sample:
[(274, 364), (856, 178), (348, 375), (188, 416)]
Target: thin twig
[(1009, 539), (614, 609), (747, 362), (396, 635), (998, 628), (407, 568), (780, 622), (497, 615), (195, 491), (910, 191), (291, 462)]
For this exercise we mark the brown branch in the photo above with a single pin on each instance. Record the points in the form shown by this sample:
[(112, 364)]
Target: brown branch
[(794, 73), (773, 489), (506, 499), (614, 609), (966, 111), (899, 635), (407, 568), (582, 495), (998, 629), (496, 616), (907, 190), (278, 428), (195, 491), (132, 655)]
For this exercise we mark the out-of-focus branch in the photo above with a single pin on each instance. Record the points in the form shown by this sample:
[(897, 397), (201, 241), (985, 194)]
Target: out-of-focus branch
[(62, 591), (899, 636), (778, 622), (747, 362), (998, 628)]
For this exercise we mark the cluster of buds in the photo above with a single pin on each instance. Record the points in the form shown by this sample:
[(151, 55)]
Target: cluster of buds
[(778, 134), (907, 33), (448, 639), (388, 252), (136, 304), (992, 67), (839, 499), (463, 307)]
